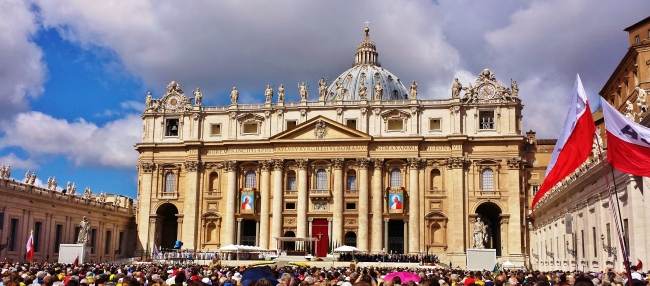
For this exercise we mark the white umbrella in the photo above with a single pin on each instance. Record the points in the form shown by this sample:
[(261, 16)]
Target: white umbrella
[(229, 248), (345, 249)]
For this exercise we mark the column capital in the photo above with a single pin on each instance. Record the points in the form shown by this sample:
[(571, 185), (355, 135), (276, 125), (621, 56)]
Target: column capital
[(337, 163), (239, 219), (192, 166), (414, 163), (266, 165), (363, 162), (456, 162), (377, 163), (230, 166), (278, 164), (310, 219), (302, 163), (386, 220), (146, 167)]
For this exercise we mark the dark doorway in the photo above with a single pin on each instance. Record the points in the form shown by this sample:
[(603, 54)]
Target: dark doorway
[(350, 238), (289, 245), (320, 231), (168, 225), (395, 236), (248, 232), (490, 213)]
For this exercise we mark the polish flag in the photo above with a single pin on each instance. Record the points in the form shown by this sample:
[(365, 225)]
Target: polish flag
[(628, 143), (29, 255), (574, 145)]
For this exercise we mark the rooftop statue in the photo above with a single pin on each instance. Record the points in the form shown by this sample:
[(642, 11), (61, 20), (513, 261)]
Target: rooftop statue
[(514, 88), (641, 100), (234, 95), (302, 91), (198, 97), (413, 92), (268, 94), (456, 87), (322, 89), (629, 109), (281, 93), (5, 172), (379, 90)]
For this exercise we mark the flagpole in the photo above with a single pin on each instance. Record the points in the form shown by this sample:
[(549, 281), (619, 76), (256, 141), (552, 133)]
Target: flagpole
[(618, 220)]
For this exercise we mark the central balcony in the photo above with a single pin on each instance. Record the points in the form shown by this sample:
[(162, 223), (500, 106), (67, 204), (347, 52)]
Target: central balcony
[(320, 193)]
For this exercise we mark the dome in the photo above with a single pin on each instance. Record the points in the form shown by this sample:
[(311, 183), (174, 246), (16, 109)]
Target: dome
[(366, 79)]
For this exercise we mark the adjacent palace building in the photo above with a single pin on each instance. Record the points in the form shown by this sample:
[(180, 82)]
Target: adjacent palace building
[(573, 226), (362, 161)]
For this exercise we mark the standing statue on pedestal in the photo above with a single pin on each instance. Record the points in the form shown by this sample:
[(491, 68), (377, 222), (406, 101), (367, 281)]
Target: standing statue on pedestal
[(5, 172), (322, 89), (456, 87), (379, 90), (51, 183), (479, 236), (88, 194), (281, 93), (362, 91), (198, 97), (629, 110), (84, 229), (234, 95), (413, 93), (514, 88), (302, 91), (268, 94)]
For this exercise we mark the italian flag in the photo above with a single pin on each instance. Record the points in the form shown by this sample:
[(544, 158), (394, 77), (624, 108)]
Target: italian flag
[(574, 144), (628, 143)]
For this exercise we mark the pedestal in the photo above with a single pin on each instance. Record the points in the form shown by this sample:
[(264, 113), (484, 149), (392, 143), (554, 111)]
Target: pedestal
[(481, 259), (68, 253)]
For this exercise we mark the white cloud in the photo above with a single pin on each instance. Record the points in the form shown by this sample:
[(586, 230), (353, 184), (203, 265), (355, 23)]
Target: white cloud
[(21, 68), (81, 142), (16, 162)]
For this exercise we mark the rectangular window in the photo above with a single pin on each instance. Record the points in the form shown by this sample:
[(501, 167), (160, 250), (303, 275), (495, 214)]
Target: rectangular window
[(434, 124), (582, 242), (13, 234), (57, 237), (626, 235), (352, 123), (93, 240), (2, 220), (291, 124), (107, 242), (250, 128), (171, 127), (215, 129), (593, 234), (290, 206), (37, 236), (350, 206), (486, 120), (395, 124), (609, 237)]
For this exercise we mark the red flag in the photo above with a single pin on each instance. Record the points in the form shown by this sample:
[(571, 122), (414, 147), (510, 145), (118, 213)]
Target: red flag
[(29, 254), (574, 145), (628, 143)]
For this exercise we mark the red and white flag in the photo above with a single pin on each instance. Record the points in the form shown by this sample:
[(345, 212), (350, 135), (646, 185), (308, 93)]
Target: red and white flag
[(29, 254), (628, 143), (574, 144)]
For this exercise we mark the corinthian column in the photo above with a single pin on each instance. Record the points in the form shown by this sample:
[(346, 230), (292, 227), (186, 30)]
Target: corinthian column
[(144, 206), (276, 225), (265, 196), (337, 191), (301, 208), (414, 206), (377, 207), (362, 237), (228, 235), (190, 207)]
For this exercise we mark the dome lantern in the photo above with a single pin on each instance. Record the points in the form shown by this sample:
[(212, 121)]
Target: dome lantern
[(366, 51)]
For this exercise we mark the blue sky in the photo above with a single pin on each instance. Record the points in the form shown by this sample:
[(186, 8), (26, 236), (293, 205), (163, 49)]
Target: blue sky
[(73, 74)]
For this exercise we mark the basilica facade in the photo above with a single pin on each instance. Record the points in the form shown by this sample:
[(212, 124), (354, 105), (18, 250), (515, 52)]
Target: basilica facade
[(362, 161)]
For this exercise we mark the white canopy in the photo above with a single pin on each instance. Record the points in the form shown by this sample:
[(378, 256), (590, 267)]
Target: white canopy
[(346, 248), (240, 248)]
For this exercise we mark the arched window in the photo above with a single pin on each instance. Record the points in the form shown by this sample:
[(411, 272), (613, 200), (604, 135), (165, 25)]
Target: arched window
[(351, 182), (321, 179), (350, 239), (395, 178), (211, 232), (291, 180), (170, 183), (214, 182), (487, 180), (250, 179), (436, 183)]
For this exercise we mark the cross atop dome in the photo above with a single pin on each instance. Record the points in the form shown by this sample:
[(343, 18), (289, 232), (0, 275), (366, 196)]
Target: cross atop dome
[(366, 51)]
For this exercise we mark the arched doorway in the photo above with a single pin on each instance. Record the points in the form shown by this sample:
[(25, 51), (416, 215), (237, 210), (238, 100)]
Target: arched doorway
[(167, 225), (395, 236), (289, 245), (248, 232), (490, 214), (350, 238)]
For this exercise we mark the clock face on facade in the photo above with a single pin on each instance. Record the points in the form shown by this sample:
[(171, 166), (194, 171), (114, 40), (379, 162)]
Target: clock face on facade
[(487, 91), (173, 102)]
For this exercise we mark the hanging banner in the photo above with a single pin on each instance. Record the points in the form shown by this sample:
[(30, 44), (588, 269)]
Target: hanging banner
[(396, 201), (247, 203)]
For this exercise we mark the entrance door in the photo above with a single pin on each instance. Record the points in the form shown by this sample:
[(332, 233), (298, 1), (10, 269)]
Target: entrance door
[(395, 236), (248, 232), (320, 231), (167, 226)]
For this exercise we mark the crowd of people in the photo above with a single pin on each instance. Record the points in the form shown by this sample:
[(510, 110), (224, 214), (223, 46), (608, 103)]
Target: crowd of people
[(158, 274), (429, 259)]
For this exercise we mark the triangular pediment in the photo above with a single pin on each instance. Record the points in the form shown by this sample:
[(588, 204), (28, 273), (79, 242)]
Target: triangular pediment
[(321, 129)]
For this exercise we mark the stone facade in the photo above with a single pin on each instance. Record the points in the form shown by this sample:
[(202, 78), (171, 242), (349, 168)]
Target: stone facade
[(573, 227), (367, 163), (54, 217)]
